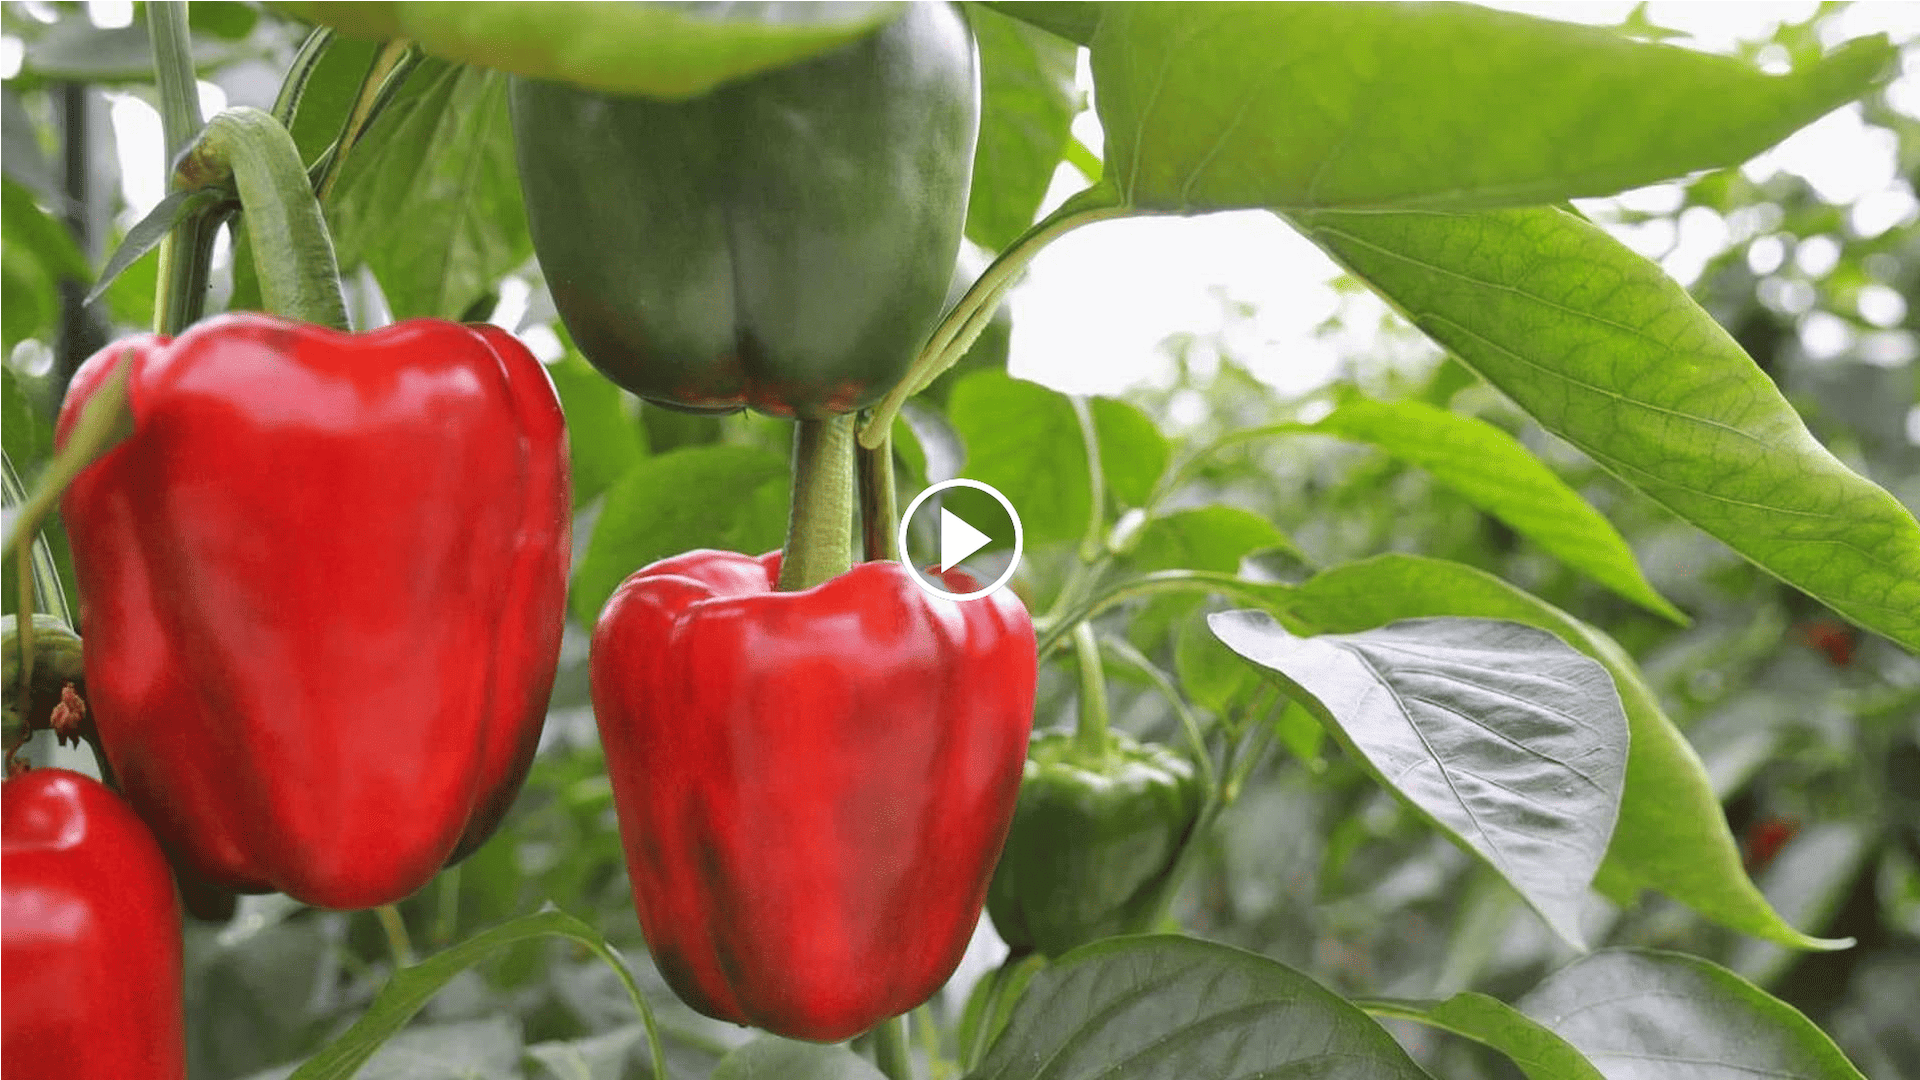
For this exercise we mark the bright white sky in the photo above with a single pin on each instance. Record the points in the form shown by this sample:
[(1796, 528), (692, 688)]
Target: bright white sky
[(1097, 306)]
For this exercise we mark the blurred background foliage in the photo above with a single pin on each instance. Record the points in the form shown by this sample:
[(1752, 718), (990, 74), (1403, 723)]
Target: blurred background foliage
[(1809, 729)]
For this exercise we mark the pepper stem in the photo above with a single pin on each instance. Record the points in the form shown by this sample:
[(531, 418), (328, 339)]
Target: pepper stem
[(1090, 732), (879, 505), (292, 251), (890, 1049), (819, 531)]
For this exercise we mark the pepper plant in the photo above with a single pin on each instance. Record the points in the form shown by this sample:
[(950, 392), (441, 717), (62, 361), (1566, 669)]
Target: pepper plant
[(1536, 701)]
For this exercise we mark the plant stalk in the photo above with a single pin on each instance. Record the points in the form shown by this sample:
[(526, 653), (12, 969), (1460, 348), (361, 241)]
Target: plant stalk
[(398, 943), (292, 250), (879, 502), (186, 255), (890, 1049), (1090, 729), (819, 531)]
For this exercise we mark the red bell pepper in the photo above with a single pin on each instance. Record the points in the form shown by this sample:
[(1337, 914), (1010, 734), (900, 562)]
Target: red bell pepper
[(89, 936), (812, 786), (322, 587)]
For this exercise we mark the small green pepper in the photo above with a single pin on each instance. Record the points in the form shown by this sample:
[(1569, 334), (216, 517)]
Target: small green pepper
[(1095, 845), (1094, 842)]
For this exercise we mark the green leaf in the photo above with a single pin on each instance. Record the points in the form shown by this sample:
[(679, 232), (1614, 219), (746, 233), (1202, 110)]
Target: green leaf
[(1808, 882), (1672, 835), (728, 497), (1023, 439), (329, 95), (1213, 537), (1606, 351), (1074, 20), (770, 1057), (1501, 734), (1212, 676), (1133, 453), (660, 50), (1172, 1006), (39, 254), (410, 988), (604, 436), (1540, 1053), (1647, 1015), (1492, 470), (430, 198), (147, 233), (1378, 106), (1027, 103)]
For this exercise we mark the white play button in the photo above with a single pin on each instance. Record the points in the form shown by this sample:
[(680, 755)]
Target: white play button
[(958, 540)]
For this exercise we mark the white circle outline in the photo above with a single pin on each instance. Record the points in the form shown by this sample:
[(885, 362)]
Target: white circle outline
[(1019, 540)]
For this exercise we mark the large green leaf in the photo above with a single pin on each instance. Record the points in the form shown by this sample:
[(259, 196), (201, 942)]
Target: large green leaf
[(1608, 352), (1492, 470), (1023, 439), (430, 198), (1170, 1006), (1501, 734), (1646, 1015), (1027, 102), (604, 436), (1672, 835), (1133, 452), (662, 50), (729, 497), (1398, 106), (1538, 1052), (1204, 538)]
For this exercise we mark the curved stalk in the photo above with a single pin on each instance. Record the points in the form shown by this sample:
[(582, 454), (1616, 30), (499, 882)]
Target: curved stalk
[(292, 251), (956, 332)]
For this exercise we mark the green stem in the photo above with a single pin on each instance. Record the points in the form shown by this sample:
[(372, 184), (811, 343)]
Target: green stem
[(964, 323), (390, 68), (50, 595), (23, 611), (890, 1049), (1189, 724), (879, 502), (186, 255), (1266, 595), (1094, 542), (292, 251), (173, 73), (292, 88), (102, 424), (819, 530), (656, 1053), (186, 269), (446, 915), (1090, 730), (923, 1025), (398, 943)]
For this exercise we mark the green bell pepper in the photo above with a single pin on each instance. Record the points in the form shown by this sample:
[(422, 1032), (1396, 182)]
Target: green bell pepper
[(1094, 843), (782, 243)]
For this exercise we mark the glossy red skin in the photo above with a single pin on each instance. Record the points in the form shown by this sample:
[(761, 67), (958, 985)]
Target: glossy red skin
[(322, 589), (89, 937), (813, 787)]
